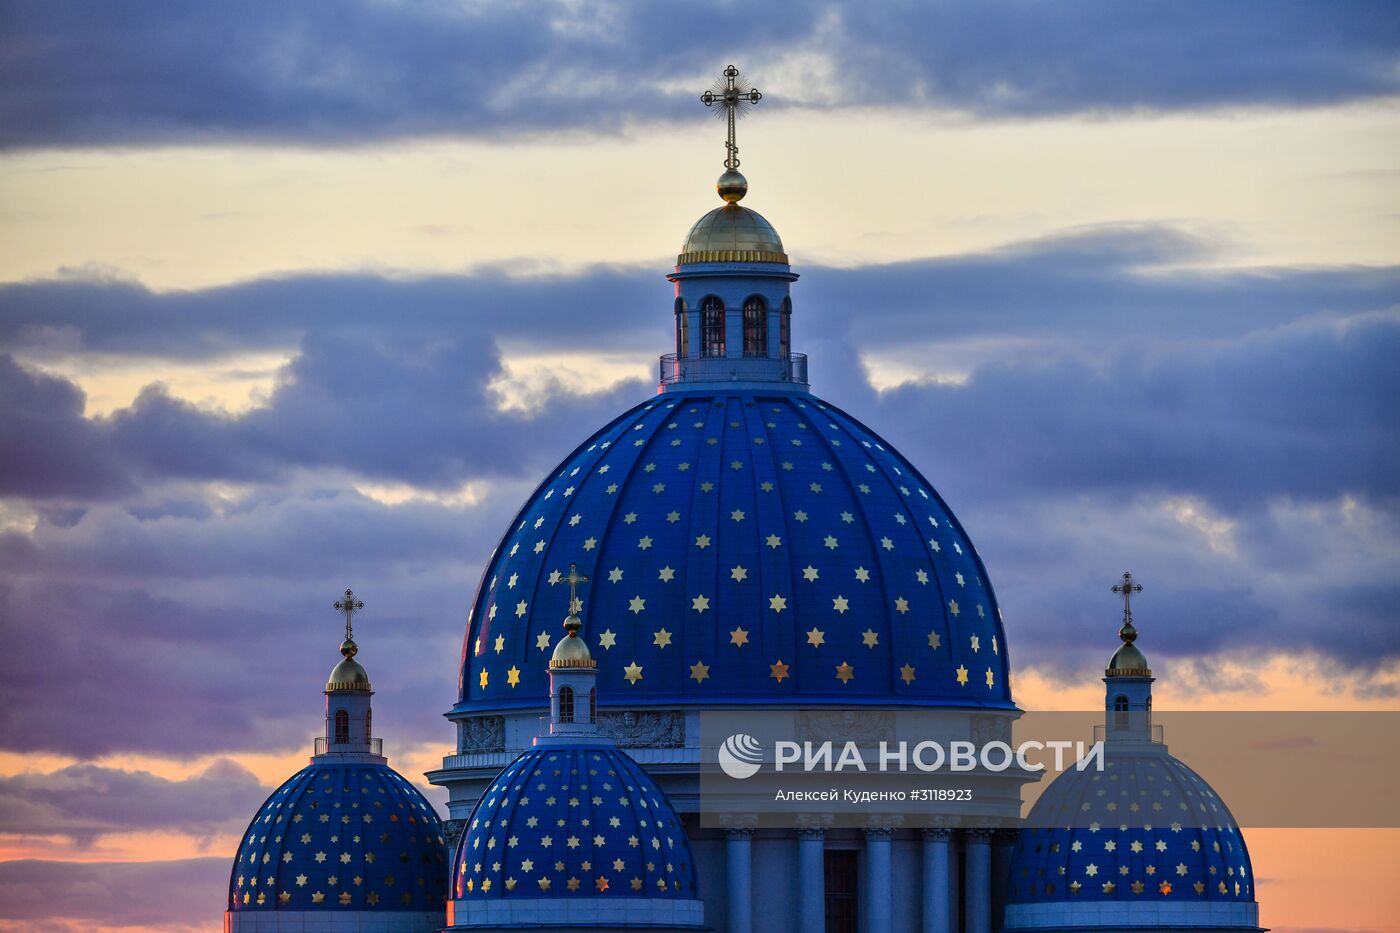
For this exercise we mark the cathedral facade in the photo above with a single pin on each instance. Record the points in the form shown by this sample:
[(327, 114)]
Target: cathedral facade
[(737, 543)]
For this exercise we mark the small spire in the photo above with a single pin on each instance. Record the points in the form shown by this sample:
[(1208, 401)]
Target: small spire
[(733, 93), (348, 674), (349, 605), (572, 651), (1126, 589)]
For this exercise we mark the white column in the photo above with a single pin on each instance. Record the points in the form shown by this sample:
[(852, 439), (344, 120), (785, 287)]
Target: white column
[(811, 879), (937, 913), (739, 874), (879, 883), (979, 881)]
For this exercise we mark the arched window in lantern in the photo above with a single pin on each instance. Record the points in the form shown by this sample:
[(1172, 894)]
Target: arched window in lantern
[(682, 329), (755, 326), (785, 330), (711, 326), (342, 727), (566, 704)]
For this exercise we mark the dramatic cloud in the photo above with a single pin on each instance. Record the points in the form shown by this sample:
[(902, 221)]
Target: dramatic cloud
[(79, 896), (1223, 429), (85, 802), (150, 72)]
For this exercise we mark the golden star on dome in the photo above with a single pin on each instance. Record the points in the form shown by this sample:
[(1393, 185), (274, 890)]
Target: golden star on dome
[(976, 644), (615, 575), (869, 638), (773, 541), (830, 542), (862, 575), (901, 605), (484, 678), (738, 574), (737, 515), (607, 639), (739, 637), (906, 673), (815, 637), (845, 672), (513, 676), (698, 672), (777, 603), (702, 541), (633, 672), (840, 604), (636, 604), (934, 641), (544, 884), (953, 607), (666, 574), (810, 573), (500, 643), (991, 678), (962, 675), (318, 898), (661, 638), (301, 881), (700, 603), (778, 671)]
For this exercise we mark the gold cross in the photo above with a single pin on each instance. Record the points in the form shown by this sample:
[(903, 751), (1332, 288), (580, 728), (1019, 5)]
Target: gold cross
[(732, 92), (349, 605), (574, 579), (1127, 588)]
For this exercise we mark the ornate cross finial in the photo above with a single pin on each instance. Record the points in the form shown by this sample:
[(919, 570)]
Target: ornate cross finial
[(1127, 588), (574, 579), (732, 92), (349, 606)]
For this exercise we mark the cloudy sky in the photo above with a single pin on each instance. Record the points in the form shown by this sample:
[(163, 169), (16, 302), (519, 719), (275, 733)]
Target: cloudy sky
[(301, 296)]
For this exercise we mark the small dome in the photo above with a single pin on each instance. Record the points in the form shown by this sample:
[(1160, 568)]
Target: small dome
[(732, 234), (1128, 661), (572, 651), (572, 822), (1101, 848), (338, 837), (348, 675)]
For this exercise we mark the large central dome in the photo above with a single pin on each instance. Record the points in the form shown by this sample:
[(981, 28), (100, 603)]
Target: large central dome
[(741, 547)]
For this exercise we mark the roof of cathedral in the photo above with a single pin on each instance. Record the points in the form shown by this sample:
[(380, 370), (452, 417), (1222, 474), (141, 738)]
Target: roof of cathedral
[(341, 837), (1145, 829), (732, 234), (573, 821), (741, 547)]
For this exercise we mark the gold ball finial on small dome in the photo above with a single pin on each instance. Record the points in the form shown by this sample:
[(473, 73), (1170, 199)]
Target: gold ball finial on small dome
[(732, 186)]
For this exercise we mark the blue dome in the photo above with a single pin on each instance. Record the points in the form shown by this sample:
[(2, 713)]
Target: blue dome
[(573, 822), (1145, 829), (341, 837), (742, 547)]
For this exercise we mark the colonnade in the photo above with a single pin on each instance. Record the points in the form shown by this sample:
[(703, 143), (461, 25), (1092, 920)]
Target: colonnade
[(940, 911)]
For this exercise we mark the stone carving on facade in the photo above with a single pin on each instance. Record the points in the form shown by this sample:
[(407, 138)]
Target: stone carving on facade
[(634, 729), (483, 734), (986, 729), (845, 726)]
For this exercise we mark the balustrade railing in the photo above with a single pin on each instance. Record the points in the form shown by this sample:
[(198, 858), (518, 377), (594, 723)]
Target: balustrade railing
[(325, 746), (675, 368)]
